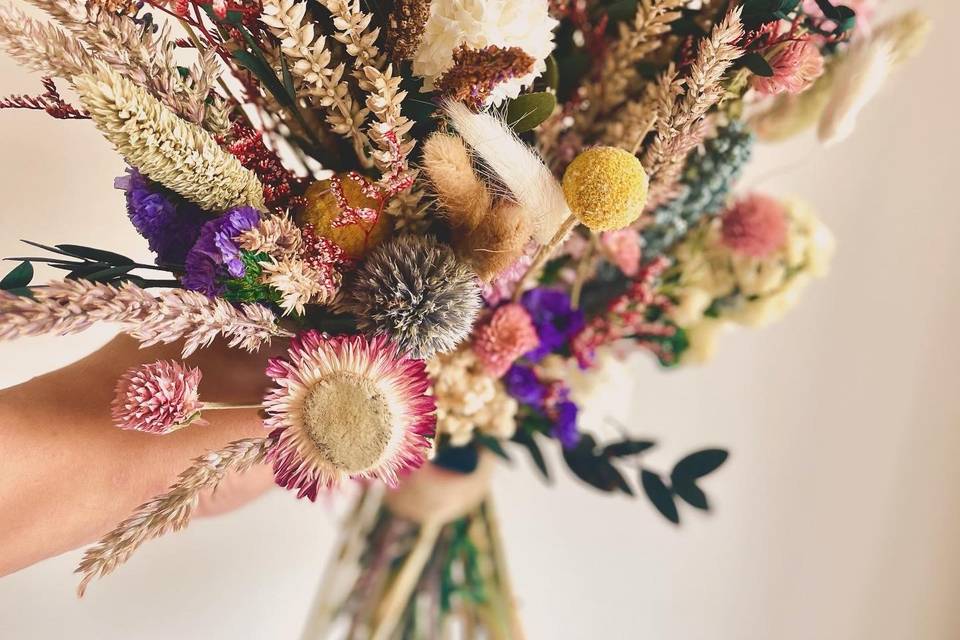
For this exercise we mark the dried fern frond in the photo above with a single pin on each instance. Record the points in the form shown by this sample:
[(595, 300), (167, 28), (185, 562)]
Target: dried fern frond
[(679, 124), (71, 306), (167, 149), (170, 511)]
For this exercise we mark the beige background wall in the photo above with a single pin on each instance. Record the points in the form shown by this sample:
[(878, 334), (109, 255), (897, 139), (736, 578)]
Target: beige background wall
[(836, 518)]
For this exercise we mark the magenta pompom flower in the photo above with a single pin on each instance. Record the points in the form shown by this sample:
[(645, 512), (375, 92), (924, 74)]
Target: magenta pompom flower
[(755, 226), (157, 398), (508, 335), (346, 407)]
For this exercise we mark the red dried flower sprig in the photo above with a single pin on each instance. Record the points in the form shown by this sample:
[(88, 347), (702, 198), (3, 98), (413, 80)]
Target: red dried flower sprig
[(49, 101), (476, 72), (627, 317), (281, 189)]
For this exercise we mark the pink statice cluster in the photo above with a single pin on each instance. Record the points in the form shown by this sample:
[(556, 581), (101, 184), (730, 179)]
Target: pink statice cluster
[(623, 249)]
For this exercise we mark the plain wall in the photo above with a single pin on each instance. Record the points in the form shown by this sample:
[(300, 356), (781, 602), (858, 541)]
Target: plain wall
[(836, 517)]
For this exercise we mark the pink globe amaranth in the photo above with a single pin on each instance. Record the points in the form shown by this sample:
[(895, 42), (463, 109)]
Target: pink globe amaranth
[(755, 226), (508, 334), (157, 398)]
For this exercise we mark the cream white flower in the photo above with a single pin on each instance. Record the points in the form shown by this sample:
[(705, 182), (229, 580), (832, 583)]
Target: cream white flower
[(480, 23)]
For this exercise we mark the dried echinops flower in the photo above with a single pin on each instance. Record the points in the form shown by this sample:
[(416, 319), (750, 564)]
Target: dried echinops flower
[(415, 291)]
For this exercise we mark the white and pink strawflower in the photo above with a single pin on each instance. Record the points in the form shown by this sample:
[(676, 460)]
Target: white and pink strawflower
[(796, 65), (346, 407), (157, 398)]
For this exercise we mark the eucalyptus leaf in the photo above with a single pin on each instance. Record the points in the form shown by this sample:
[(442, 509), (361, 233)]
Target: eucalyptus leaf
[(529, 441), (106, 275), (18, 278), (459, 459), (692, 495), (525, 112), (626, 447), (551, 75), (757, 64), (660, 495), (698, 464), (593, 468), (493, 445)]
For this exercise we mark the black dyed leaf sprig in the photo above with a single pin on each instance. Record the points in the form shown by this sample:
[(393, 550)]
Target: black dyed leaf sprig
[(87, 263), (596, 466)]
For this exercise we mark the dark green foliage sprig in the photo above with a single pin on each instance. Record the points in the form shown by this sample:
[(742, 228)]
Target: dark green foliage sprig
[(97, 265), (598, 466), (249, 288)]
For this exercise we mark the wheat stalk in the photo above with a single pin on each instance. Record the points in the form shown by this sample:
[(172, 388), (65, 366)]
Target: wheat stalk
[(322, 83), (145, 56), (42, 47), (170, 511), (637, 40), (71, 306), (679, 124), (167, 149)]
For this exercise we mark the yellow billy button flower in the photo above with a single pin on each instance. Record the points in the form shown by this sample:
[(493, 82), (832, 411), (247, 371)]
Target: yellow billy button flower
[(606, 188)]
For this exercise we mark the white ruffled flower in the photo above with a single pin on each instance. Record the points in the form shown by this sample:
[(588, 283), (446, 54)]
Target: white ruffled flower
[(478, 24)]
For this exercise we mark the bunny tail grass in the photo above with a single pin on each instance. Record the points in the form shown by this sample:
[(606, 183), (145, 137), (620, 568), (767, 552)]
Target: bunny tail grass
[(518, 166)]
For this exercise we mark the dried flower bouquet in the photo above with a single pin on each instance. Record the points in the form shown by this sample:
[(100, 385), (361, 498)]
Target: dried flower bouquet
[(451, 212)]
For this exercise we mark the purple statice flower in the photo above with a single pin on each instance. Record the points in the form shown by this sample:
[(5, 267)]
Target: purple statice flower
[(216, 252), (554, 317), (564, 429), (524, 385), (170, 225)]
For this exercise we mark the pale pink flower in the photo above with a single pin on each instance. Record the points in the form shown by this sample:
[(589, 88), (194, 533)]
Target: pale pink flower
[(346, 407), (755, 226), (796, 65), (502, 286), (623, 249), (157, 398), (505, 337)]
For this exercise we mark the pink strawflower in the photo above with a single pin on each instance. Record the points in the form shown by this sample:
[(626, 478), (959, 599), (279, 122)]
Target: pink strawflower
[(346, 407), (755, 226), (623, 248), (508, 335), (796, 65), (157, 398)]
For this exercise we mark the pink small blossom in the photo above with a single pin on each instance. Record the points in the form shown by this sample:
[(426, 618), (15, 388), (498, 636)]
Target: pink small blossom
[(502, 286), (508, 335), (755, 226), (623, 248), (157, 398), (796, 65)]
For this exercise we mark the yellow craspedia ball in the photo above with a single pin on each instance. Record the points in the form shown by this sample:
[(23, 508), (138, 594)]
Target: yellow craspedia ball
[(606, 188), (322, 209)]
